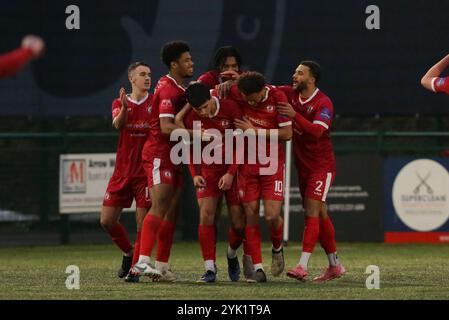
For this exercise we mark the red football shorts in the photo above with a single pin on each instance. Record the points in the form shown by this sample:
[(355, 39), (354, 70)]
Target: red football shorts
[(252, 186), (122, 191), (315, 185), (163, 171), (212, 177)]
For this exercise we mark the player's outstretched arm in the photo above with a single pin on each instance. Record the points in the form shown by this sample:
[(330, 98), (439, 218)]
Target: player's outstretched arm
[(434, 72), (12, 62), (122, 117)]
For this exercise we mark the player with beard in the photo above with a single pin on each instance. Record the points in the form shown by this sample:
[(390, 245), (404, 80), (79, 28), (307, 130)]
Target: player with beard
[(312, 112)]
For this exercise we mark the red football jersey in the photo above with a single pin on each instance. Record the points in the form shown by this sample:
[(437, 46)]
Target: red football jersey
[(132, 136), (169, 98), (265, 114), (440, 85), (312, 155), (227, 112), (210, 79)]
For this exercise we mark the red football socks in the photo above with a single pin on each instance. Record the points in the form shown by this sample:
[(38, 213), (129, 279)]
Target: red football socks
[(165, 240), (150, 228), (136, 248), (311, 232), (276, 235), (207, 238), (120, 237), (235, 240), (253, 242), (327, 236)]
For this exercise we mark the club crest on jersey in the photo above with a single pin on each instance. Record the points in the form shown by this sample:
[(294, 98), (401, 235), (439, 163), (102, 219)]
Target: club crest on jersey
[(225, 123), (167, 174), (270, 108), (149, 109)]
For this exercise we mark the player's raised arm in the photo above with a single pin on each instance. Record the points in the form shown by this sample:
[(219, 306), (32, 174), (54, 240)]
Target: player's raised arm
[(12, 62), (428, 80), (120, 120)]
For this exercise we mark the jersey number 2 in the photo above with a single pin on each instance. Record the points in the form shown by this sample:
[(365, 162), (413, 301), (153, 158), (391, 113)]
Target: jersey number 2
[(318, 187)]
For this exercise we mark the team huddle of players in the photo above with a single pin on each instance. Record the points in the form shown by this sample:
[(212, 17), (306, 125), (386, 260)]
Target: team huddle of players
[(221, 99)]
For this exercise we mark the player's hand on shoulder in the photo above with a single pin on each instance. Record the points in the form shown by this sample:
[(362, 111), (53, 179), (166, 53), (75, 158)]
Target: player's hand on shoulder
[(243, 124), (225, 182), (199, 182), (286, 109), (35, 44), (224, 88)]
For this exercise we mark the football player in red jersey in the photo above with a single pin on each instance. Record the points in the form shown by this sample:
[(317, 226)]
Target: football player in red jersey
[(433, 81), (227, 66), (164, 177), (130, 115), (258, 101), (11, 62), (312, 112), (214, 178)]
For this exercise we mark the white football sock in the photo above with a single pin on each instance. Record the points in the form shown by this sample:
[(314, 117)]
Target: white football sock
[(144, 259), (209, 265), (258, 266), (304, 260), (333, 259)]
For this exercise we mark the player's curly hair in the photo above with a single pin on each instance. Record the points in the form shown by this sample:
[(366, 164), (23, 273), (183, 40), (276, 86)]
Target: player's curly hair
[(197, 94), (172, 51), (251, 82), (224, 52), (315, 69)]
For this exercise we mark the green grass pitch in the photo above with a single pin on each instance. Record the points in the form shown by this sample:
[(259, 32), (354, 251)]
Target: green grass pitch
[(406, 272)]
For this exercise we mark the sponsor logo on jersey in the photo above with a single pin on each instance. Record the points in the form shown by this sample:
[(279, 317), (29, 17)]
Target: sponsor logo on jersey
[(325, 114), (441, 82), (310, 108), (166, 103)]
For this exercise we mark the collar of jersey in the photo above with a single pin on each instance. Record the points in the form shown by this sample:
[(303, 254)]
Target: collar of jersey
[(310, 98), (266, 94), (174, 81), (128, 96), (218, 107)]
